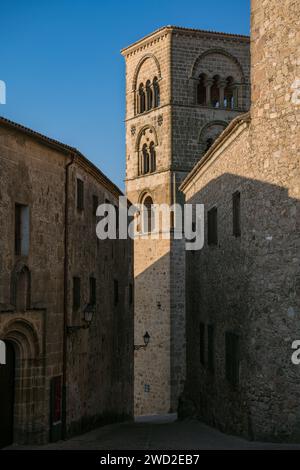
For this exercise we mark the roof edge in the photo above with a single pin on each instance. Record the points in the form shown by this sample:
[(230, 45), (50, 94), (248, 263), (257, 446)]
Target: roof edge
[(66, 149), (232, 127), (182, 29)]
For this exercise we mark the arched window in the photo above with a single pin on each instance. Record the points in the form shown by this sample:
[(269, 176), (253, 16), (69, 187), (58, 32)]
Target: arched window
[(156, 93), (149, 95), (146, 148), (141, 99), (215, 92), (148, 215), (145, 165), (228, 94), (152, 157), (201, 90)]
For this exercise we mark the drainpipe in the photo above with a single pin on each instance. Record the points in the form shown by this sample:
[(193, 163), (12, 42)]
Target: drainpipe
[(65, 323)]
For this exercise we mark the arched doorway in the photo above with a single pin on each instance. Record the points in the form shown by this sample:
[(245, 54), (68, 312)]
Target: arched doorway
[(7, 387), (24, 381)]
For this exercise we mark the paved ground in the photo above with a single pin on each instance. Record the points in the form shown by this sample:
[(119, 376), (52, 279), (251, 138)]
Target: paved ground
[(158, 433)]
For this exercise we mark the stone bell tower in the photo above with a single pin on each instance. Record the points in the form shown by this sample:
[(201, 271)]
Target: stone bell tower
[(183, 87)]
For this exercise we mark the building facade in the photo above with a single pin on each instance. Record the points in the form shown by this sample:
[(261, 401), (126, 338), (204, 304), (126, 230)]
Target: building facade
[(62, 374), (183, 87), (243, 287)]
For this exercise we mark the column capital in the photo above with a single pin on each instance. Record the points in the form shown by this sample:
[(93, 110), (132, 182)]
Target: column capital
[(208, 82), (222, 83)]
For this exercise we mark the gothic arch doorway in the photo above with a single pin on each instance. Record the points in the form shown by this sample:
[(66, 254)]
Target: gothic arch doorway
[(7, 387)]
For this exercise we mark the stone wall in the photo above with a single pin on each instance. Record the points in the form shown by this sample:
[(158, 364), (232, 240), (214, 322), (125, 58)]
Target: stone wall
[(33, 175), (99, 360), (179, 127), (249, 284), (195, 53)]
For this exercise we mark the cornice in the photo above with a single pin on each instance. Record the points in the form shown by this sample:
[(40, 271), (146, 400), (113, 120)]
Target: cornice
[(162, 33)]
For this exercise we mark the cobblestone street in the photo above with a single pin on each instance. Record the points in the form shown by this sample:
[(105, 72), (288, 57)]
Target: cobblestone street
[(158, 433)]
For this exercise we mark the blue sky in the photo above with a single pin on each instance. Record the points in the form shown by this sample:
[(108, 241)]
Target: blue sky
[(64, 73)]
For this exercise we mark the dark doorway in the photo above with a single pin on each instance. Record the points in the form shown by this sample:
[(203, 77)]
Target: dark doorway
[(7, 379)]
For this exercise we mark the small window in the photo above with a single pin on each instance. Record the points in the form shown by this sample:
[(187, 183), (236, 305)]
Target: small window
[(215, 92), (95, 204), (116, 292), (149, 96), (212, 223), (130, 294), (202, 343), (210, 347), (117, 219), (228, 94), (76, 293), (93, 291), (80, 194), (201, 90), (148, 214), (141, 99), (146, 165), (152, 157), (21, 230), (236, 213), (156, 93), (232, 357)]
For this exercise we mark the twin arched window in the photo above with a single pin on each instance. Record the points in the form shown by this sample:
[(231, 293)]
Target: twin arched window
[(217, 92), (147, 163), (148, 96)]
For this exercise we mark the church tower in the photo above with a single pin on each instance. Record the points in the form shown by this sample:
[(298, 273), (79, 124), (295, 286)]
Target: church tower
[(183, 87)]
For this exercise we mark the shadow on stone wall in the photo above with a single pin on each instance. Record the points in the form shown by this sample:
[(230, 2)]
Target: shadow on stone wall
[(249, 285)]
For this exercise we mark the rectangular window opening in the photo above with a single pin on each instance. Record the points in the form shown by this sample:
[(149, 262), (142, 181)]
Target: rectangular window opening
[(212, 222), (80, 194), (236, 214), (21, 230)]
